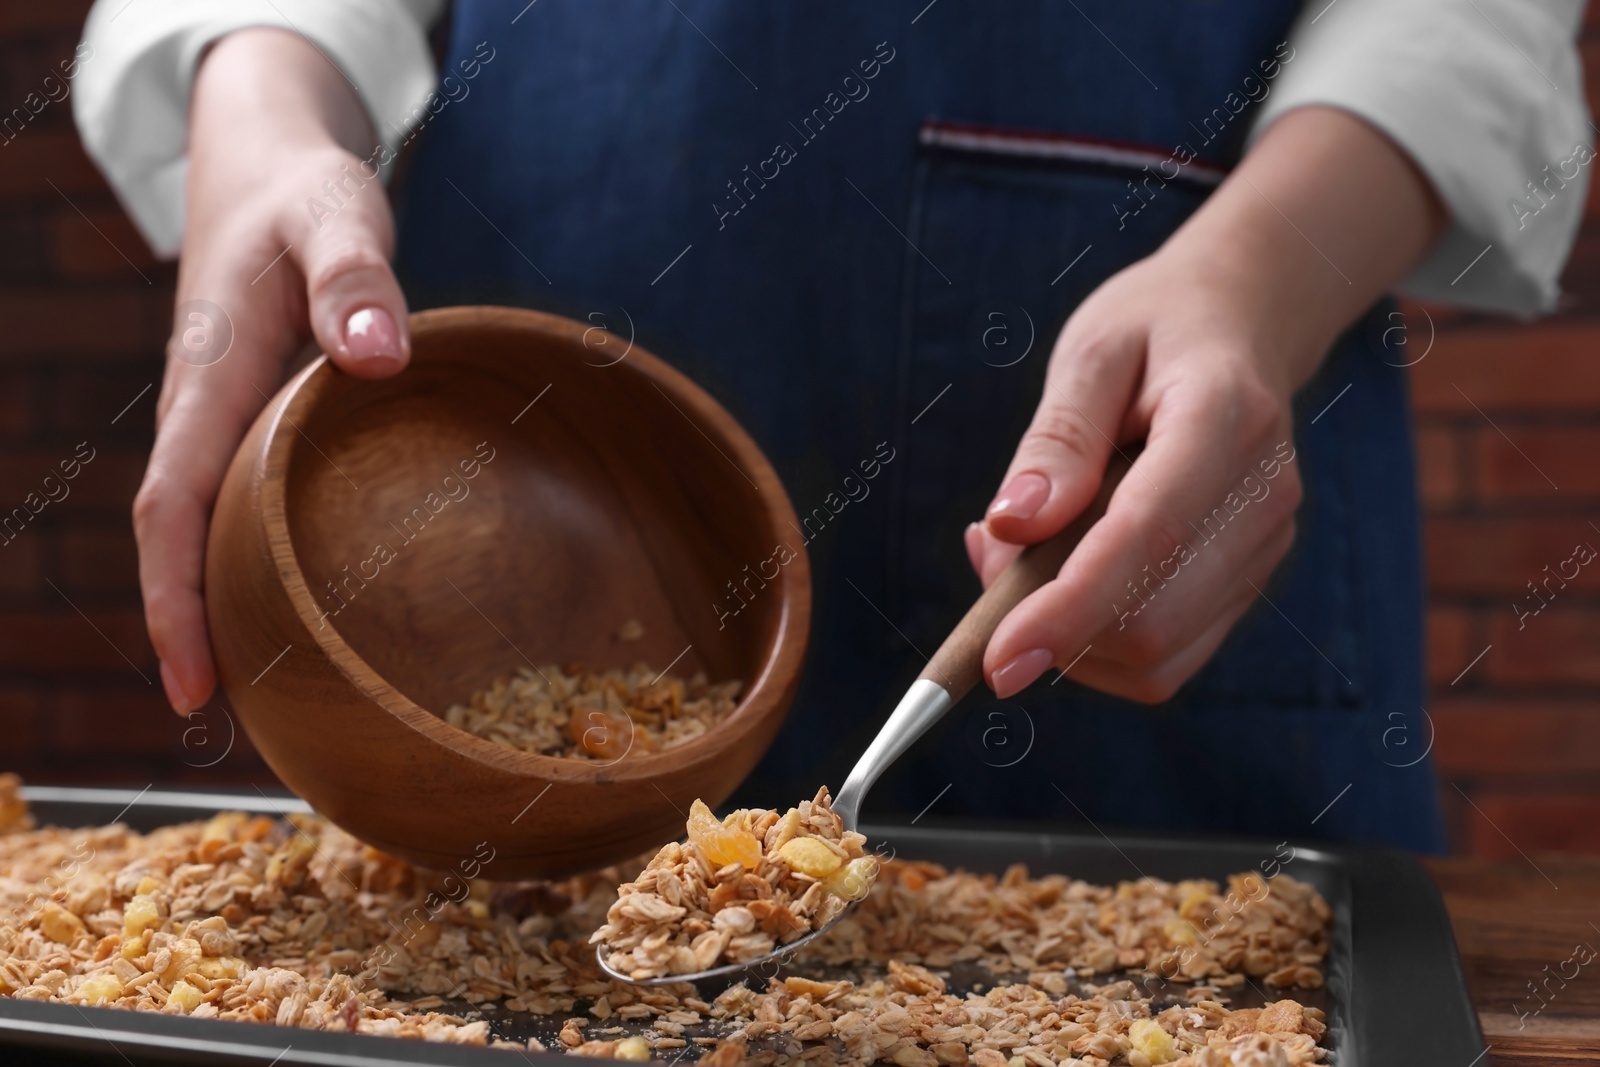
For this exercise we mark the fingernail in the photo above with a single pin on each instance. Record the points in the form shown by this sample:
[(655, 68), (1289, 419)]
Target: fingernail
[(973, 540), (1020, 672), (372, 338), (175, 695), (1021, 497)]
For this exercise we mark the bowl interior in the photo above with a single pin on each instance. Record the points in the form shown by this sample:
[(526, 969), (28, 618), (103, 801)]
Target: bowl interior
[(511, 499)]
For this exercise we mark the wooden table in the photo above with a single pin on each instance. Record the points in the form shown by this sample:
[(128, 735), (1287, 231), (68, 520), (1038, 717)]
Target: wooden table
[(1514, 918)]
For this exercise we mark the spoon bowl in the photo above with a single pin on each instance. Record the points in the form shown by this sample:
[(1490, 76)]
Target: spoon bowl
[(729, 970)]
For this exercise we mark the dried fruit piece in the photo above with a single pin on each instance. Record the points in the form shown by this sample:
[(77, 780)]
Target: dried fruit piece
[(141, 914), (101, 989), (602, 734), (287, 867), (183, 958), (13, 806), (722, 845), (1194, 898), (219, 833), (853, 881), (809, 856), (213, 968), (185, 997), (701, 821), (59, 924), (633, 1049), (1147, 1036)]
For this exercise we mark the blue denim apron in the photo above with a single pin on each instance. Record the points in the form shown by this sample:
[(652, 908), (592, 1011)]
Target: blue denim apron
[(860, 228)]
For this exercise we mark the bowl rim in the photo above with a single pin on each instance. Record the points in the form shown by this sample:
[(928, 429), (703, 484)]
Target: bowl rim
[(781, 660)]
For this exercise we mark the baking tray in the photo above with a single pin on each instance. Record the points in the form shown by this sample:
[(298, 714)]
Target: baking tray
[(1395, 993)]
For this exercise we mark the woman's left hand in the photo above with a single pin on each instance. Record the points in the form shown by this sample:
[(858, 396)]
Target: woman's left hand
[(1197, 351)]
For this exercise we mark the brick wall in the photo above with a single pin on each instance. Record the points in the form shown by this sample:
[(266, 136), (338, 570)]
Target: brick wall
[(1508, 491), (84, 311), (83, 316)]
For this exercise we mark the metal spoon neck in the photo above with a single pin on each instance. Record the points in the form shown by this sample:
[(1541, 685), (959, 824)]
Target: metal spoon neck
[(924, 704)]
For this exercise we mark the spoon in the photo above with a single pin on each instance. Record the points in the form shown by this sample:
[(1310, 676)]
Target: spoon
[(951, 673)]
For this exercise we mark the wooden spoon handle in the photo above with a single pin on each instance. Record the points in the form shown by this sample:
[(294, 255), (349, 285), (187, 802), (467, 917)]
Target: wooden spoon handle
[(958, 664)]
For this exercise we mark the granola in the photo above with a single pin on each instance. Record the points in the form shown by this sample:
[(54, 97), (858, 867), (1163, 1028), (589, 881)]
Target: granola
[(1275, 930), (582, 714), (736, 890), (291, 921)]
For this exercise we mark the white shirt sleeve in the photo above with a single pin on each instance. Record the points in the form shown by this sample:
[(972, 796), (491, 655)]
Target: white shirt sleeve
[(1486, 96), (138, 64)]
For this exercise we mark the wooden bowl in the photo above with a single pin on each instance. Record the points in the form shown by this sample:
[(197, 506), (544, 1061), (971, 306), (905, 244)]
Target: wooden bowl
[(533, 494)]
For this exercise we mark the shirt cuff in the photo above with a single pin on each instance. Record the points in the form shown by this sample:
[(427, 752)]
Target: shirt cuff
[(1486, 97), (137, 70)]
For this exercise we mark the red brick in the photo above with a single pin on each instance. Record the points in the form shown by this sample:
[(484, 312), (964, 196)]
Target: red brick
[(1513, 826), (1450, 634), (22, 562), (1499, 556), (24, 248), (1523, 467), (96, 326), (1555, 648), (18, 401), (98, 560), (208, 745), (94, 395), (93, 245), (40, 155), (60, 639), (1552, 367), (105, 769), (1490, 738), (107, 483), (1438, 467), (56, 15), (118, 720), (20, 712)]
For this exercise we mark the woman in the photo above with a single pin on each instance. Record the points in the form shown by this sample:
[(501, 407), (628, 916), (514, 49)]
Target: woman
[(861, 230)]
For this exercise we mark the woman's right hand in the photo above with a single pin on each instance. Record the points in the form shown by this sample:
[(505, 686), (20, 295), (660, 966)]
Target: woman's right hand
[(287, 237)]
